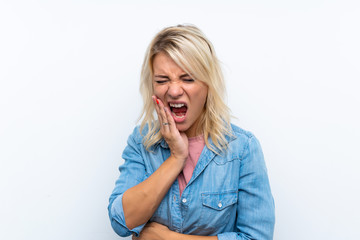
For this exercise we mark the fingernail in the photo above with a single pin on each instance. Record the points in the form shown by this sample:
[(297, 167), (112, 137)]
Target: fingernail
[(165, 109), (157, 101)]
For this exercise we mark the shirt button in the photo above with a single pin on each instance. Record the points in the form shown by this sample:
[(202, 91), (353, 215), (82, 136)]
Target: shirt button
[(184, 200), (220, 205)]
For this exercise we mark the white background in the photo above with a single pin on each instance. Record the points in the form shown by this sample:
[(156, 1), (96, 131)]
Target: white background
[(69, 79)]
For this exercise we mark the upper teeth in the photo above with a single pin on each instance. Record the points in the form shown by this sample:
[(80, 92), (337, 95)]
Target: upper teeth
[(177, 105)]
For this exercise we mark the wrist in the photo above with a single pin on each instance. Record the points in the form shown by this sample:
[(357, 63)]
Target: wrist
[(173, 235), (180, 161)]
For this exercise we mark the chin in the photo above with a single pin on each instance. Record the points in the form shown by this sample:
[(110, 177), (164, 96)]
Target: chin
[(181, 127)]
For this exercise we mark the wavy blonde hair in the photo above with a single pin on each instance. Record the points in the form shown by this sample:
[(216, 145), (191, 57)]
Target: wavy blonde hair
[(194, 53)]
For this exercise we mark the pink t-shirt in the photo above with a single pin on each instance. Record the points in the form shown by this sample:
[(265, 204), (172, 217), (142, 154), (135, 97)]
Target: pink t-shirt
[(196, 145)]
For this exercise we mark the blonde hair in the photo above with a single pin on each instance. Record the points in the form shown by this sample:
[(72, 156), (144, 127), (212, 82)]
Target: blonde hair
[(194, 53)]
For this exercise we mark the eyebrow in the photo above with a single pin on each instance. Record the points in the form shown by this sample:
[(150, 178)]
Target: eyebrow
[(161, 76), (185, 75), (164, 76)]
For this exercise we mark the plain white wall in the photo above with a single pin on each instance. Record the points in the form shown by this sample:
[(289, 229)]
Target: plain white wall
[(69, 77)]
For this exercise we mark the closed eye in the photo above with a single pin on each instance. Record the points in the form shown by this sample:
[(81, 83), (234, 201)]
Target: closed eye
[(161, 81), (188, 80)]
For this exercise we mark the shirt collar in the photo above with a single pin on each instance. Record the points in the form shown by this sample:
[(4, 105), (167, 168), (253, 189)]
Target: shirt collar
[(229, 139)]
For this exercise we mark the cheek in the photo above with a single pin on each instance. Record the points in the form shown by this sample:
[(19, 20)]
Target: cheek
[(199, 92), (159, 91), (199, 101), (202, 96)]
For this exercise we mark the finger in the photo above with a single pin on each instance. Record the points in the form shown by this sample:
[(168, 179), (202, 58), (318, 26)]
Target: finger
[(156, 103), (165, 123), (171, 121), (161, 115), (157, 108)]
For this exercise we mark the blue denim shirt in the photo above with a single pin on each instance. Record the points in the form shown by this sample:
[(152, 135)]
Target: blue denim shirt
[(228, 195)]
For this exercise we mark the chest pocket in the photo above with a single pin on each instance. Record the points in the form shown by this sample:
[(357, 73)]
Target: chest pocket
[(218, 209), (219, 201)]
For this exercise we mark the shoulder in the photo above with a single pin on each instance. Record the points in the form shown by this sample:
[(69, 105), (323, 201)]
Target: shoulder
[(134, 145), (242, 141), (241, 134), (138, 134)]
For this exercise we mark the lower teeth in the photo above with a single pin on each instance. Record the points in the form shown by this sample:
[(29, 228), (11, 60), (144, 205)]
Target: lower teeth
[(182, 116)]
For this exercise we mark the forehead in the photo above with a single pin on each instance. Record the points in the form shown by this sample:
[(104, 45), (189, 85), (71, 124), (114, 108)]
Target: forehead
[(162, 63)]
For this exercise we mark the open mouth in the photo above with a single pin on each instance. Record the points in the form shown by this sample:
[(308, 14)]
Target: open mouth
[(178, 110)]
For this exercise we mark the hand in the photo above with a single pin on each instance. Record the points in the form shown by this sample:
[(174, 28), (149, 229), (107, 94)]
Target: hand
[(177, 141), (153, 231)]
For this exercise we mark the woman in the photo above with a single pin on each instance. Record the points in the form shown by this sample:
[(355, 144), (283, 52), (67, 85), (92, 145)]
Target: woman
[(190, 174)]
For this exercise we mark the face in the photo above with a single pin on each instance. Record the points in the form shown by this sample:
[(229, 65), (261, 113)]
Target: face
[(184, 96)]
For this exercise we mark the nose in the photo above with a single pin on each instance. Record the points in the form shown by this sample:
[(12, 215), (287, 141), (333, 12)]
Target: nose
[(175, 90)]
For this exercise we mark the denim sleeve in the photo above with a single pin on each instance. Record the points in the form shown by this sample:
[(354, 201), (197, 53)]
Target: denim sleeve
[(255, 209), (132, 172)]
